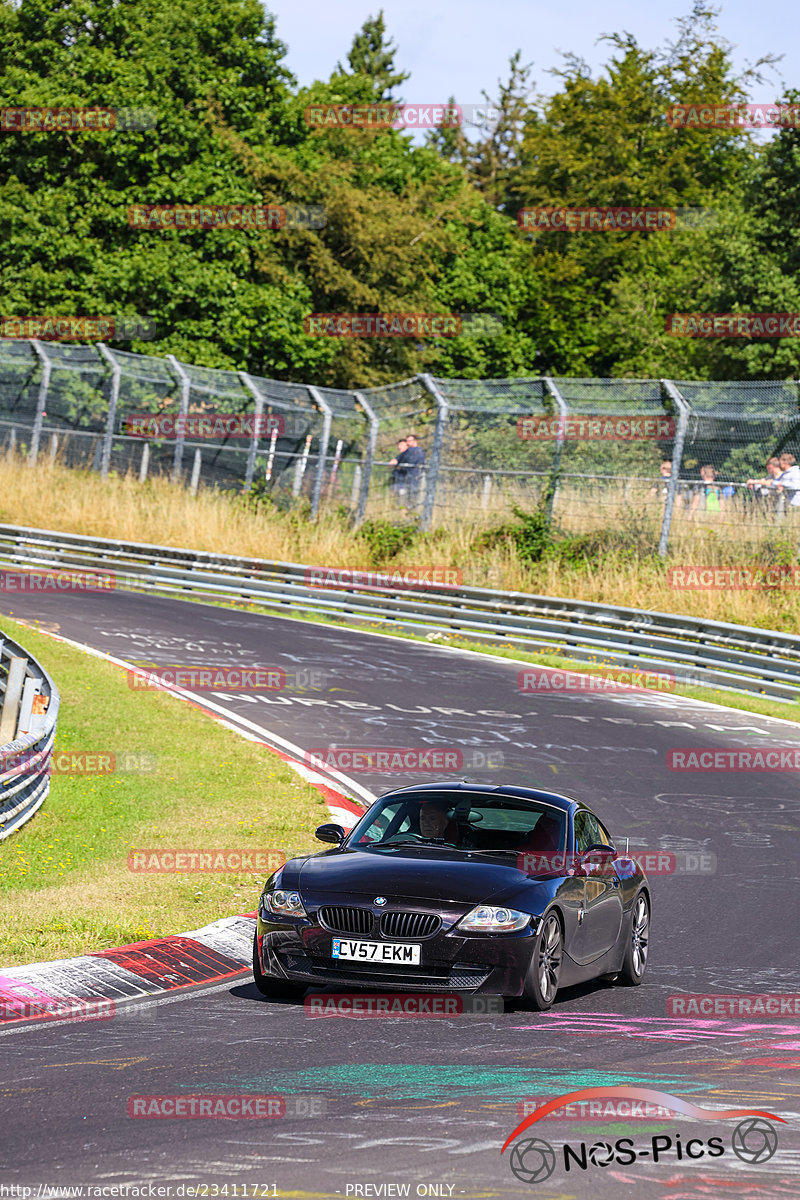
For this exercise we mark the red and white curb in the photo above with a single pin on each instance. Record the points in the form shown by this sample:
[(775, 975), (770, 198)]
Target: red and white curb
[(105, 983)]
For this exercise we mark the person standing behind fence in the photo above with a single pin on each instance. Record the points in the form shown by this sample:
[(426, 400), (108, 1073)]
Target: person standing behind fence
[(414, 457), (399, 477), (766, 490), (708, 496), (788, 481)]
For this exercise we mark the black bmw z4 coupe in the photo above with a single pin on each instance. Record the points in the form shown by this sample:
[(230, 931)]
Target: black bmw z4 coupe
[(457, 887)]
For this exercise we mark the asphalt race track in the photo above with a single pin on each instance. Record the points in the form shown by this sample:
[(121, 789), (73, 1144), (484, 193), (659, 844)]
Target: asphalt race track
[(375, 1106)]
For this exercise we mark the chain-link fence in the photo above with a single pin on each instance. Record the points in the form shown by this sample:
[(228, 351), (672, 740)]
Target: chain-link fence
[(598, 452)]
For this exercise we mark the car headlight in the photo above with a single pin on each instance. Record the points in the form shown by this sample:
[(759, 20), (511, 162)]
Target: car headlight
[(283, 904), (486, 919)]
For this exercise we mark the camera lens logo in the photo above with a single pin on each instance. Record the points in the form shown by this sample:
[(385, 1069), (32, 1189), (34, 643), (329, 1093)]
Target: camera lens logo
[(601, 1154), (754, 1141), (533, 1160)]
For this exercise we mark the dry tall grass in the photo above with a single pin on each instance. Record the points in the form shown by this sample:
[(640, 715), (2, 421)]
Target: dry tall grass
[(620, 568)]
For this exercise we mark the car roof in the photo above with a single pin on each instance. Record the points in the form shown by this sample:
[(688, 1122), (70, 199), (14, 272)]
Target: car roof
[(512, 791)]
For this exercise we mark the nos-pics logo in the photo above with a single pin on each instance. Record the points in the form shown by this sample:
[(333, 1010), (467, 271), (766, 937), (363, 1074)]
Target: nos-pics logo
[(533, 1160)]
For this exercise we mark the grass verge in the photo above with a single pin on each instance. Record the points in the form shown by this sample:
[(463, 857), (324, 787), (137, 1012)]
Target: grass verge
[(65, 886)]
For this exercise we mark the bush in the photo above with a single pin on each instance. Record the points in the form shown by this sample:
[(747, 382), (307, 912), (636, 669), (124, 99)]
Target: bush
[(385, 539)]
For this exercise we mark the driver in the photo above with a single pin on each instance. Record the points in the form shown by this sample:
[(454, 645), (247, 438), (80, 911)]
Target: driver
[(434, 821)]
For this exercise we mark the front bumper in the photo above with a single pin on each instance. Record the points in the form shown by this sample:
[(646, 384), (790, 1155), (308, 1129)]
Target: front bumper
[(300, 951)]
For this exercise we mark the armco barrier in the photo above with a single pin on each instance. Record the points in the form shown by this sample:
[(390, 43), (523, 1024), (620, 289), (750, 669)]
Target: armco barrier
[(713, 654), (29, 703)]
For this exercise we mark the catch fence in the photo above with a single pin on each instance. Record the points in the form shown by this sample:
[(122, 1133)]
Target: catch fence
[(592, 450)]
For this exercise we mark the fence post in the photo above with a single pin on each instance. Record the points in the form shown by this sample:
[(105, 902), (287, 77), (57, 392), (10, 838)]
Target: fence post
[(116, 376), (487, 491), (555, 466), (53, 447), (196, 466), (183, 379), (11, 699), (145, 463), (432, 478), (369, 457), (300, 467), (259, 409), (356, 488), (683, 410), (38, 421), (324, 438)]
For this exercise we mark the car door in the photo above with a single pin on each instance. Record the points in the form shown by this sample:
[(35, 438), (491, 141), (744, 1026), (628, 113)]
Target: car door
[(602, 904)]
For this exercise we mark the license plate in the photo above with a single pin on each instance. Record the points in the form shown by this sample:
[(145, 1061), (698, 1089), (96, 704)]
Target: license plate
[(382, 952)]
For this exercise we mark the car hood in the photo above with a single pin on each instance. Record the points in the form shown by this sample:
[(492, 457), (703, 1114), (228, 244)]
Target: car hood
[(407, 873)]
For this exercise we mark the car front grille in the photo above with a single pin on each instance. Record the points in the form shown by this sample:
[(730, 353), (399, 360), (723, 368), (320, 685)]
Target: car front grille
[(409, 924), (340, 919)]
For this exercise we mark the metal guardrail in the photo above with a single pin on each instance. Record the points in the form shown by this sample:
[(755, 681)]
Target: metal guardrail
[(713, 654), (29, 702)]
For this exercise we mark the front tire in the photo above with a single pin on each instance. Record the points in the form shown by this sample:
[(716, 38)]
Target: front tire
[(271, 985), (541, 983), (634, 963)]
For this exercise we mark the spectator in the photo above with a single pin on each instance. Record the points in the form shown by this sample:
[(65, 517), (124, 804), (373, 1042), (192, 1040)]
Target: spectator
[(766, 489), (788, 482), (661, 486), (398, 479), (708, 495), (415, 458)]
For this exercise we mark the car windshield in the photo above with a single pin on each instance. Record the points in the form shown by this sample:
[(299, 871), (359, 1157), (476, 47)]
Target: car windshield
[(490, 823)]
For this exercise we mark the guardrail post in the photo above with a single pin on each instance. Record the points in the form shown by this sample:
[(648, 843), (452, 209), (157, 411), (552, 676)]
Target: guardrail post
[(38, 420), (432, 477), (324, 438), (555, 466), (29, 690), (116, 376), (677, 458), (186, 385), (369, 457), (258, 401), (11, 700)]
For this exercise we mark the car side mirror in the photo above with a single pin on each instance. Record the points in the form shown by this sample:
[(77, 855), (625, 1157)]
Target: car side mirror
[(606, 855), (330, 833)]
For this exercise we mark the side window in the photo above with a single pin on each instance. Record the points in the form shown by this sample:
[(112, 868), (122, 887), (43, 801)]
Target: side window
[(587, 832)]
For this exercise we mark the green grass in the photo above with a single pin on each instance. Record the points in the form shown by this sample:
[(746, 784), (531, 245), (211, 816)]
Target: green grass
[(65, 887)]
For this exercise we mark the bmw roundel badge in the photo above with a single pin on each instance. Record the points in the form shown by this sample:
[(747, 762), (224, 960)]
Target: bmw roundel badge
[(380, 901)]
